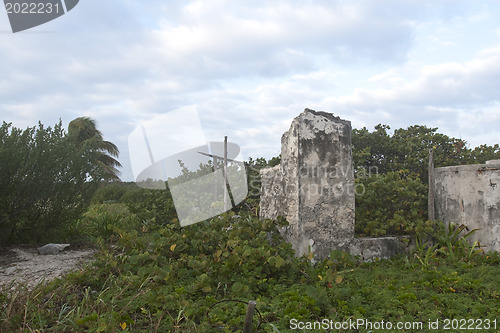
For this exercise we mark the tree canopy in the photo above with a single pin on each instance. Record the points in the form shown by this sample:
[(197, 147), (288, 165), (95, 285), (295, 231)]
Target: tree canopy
[(408, 149)]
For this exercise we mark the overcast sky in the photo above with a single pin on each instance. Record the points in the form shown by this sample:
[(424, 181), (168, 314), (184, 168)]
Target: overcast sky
[(250, 67)]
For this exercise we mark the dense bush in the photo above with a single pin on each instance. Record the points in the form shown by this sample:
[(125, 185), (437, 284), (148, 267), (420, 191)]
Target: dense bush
[(391, 204), (103, 221), (45, 182), (111, 192)]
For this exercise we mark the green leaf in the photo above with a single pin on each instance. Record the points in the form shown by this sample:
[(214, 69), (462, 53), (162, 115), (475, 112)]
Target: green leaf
[(237, 287), (279, 261)]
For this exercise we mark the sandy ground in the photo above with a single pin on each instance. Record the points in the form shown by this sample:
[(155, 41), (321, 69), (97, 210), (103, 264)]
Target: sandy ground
[(25, 265)]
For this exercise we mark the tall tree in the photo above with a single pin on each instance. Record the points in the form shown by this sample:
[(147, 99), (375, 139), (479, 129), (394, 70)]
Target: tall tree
[(83, 131)]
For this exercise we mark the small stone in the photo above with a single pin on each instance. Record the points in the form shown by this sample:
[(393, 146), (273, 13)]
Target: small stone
[(52, 248)]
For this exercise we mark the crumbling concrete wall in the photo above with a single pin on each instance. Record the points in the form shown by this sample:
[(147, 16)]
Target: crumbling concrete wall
[(313, 187), (470, 194)]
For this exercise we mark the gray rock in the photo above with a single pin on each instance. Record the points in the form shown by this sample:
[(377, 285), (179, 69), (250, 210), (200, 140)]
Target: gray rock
[(52, 248)]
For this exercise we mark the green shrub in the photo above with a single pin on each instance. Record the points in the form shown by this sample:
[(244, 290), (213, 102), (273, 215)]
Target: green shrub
[(155, 206), (454, 243), (390, 204), (105, 220), (46, 180), (110, 193)]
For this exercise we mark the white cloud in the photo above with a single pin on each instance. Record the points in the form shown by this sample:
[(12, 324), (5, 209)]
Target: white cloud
[(459, 98), (251, 66)]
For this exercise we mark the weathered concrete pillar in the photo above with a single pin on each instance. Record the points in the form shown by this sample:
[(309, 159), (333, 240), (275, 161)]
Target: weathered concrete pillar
[(313, 187)]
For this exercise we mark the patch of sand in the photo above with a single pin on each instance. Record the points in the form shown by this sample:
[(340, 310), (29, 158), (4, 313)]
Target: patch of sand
[(26, 266)]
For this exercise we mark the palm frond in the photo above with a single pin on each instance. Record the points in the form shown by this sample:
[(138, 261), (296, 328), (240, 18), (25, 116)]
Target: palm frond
[(84, 132)]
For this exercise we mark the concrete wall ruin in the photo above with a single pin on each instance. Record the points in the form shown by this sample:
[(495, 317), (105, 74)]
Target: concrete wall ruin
[(470, 195), (313, 188)]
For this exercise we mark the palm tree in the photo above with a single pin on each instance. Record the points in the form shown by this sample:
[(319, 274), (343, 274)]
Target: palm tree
[(84, 132)]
